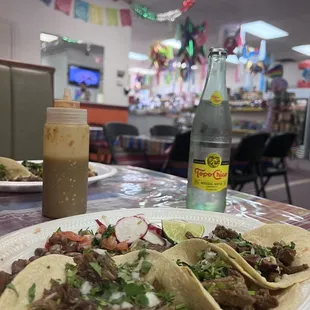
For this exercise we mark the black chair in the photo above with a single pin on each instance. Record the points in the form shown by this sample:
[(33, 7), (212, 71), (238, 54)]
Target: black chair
[(177, 163), (277, 148), (113, 130), (163, 130), (249, 152)]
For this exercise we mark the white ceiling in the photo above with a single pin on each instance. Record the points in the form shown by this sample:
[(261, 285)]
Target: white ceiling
[(292, 16)]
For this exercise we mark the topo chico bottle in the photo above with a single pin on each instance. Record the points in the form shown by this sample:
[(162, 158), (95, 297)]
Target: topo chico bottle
[(210, 141)]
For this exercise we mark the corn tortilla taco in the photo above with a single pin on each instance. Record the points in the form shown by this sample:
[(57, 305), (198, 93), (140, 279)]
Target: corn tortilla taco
[(29, 284), (275, 255), (223, 282), (92, 281), (11, 170)]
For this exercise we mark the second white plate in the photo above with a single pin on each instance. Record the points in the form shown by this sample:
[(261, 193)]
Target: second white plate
[(103, 171)]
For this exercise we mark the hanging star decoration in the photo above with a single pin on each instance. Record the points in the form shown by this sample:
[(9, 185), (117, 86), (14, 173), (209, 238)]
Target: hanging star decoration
[(193, 45)]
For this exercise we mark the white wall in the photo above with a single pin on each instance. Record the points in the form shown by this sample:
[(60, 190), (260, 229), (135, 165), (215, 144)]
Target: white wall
[(31, 17), (60, 63)]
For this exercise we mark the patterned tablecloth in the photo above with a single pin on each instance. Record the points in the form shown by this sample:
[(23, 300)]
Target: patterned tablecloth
[(135, 187)]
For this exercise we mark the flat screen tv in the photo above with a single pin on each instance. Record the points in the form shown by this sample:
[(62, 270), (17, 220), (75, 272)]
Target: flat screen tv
[(78, 74)]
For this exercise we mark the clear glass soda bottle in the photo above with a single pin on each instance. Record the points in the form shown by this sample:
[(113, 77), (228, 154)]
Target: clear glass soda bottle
[(211, 141)]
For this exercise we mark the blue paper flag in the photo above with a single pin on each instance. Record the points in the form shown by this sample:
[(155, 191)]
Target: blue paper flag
[(81, 10), (306, 74), (47, 2)]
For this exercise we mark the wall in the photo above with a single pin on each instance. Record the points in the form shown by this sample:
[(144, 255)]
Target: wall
[(30, 18), (60, 63)]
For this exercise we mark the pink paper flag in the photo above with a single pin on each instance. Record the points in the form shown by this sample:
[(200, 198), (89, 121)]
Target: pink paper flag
[(63, 6), (125, 17)]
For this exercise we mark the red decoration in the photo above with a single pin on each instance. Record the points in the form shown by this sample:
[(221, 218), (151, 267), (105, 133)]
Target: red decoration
[(125, 17), (63, 6), (304, 64), (186, 5)]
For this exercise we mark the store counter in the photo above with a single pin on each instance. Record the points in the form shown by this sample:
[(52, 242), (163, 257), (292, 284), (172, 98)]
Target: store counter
[(99, 113)]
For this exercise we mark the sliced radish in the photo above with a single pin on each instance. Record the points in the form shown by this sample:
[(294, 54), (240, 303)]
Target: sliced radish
[(130, 229), (141, 216), (154, 238), (155, 229)]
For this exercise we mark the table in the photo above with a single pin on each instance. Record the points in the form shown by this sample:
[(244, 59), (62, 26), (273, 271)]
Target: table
[(150, 145), (134, 187)]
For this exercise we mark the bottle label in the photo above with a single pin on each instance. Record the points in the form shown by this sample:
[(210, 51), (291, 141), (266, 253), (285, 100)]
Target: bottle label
[(216, 98), (211, 174)]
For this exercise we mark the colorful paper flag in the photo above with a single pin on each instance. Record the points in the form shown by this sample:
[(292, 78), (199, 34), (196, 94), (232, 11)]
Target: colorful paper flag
[(112, 18), (81, 10), (46, 2), (95, 14), (125, 17), (63, 6)]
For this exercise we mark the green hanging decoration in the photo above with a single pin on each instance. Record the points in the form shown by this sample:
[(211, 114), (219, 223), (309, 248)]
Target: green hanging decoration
[(143, 12)]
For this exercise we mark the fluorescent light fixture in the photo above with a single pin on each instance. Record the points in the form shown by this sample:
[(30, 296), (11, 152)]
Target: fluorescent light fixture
[(137, 56), (264, 30), (142, 71), (232, 59), (173, 43), (45, 37), (302, 49)]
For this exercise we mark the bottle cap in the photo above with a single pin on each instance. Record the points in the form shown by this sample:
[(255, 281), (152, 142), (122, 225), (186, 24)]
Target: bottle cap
[(218, 51), (67, 101), (66, 116)]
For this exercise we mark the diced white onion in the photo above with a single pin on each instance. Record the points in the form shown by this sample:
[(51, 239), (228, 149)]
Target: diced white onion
[(136, 275), (100, 251), (85, 288), (116, 295), (153, 299), (126, 305)]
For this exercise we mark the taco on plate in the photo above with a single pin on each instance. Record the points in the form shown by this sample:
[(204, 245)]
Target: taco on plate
[(92, 281), (275, 255), (224, 285), (11, 170)]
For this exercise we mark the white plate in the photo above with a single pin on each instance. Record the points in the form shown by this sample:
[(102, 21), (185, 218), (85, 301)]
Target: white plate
[(103, 171), (23, 242)]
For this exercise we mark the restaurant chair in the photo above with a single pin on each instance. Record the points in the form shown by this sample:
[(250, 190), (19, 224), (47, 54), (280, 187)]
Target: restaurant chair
[(277, 148), (177, 162), (122, 156), (249, 152), (163, 131), (98, 146)]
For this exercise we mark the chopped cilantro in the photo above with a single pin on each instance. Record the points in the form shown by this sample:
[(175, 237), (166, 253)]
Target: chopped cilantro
[(72, 279), (205, 270), (87, 231), (252, 293), (166, 296), (58, 229), (108, 232), (145, 267), (12, 287), (134, 289), (201, 255), (95, 242), (292, 245), (32, 293), (143, 253), (96, 267), (142, 300)]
